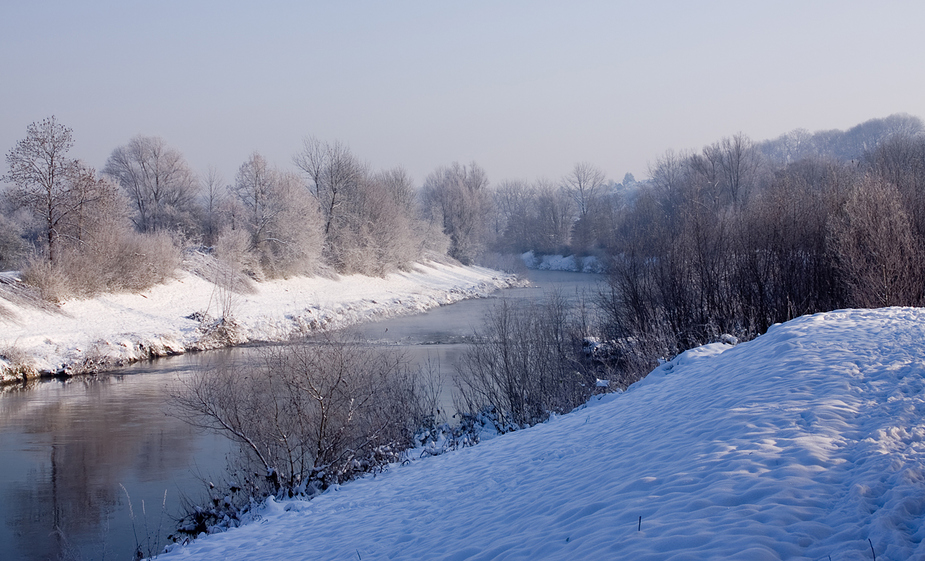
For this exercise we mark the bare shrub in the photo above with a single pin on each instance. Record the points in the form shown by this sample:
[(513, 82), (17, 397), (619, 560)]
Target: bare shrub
[(50, 279), (232, 248), (134, 262), (309, 414), (525, 364), (111, 260), (638, 331), (16, 364), (874, 248), (203, 263)]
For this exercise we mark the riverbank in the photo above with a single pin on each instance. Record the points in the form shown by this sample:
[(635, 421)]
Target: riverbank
[(805, 443), (191, 313)]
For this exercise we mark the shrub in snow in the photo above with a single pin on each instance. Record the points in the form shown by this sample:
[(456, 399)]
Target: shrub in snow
[(526, 364), (306, 416), (110, 260)]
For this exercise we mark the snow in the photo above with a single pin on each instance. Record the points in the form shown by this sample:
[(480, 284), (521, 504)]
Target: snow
[(571, 263), (802, 444), (117, 328)]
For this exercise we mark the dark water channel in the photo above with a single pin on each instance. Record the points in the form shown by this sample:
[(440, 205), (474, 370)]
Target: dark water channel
[(90, 467)]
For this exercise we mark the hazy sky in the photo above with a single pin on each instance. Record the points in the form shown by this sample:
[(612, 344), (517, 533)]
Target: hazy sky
[(524, 88)]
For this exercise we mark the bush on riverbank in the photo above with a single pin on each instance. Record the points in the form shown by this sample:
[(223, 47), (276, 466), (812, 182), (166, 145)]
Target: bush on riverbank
[(527, 363), (306, 416)]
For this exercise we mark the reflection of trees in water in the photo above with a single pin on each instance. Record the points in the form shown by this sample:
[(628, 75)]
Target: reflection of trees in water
[(58, 496), (90, 438)]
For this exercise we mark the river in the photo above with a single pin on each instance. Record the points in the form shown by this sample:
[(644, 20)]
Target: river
[(92, 466)]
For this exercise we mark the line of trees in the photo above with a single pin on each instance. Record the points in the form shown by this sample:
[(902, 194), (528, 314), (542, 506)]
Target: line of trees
[(729, 240), (718, 244), (79, 220), (334, 213), (75, 232), (775, 222)]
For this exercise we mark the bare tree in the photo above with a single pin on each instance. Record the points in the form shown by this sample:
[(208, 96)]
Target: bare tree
[(555, 214), (280, 217), (159, 183), (670, 176), (334, 173), (254, 186), (213, 198), (44, 179), (513, 203), (456, 197), (789, 147), (371, 221), (900, 160), (740, 161), (875, 249), (387, 222), (584, 183)]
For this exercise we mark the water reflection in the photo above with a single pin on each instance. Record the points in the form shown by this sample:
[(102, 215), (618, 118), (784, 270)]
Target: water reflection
[(73, 452)]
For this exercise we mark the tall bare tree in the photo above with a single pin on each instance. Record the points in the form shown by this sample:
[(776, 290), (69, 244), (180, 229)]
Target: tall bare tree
[(48, 183), (585, 183), (213, 197), (456, 196), (157, 180), (280, 216), (334, 172)]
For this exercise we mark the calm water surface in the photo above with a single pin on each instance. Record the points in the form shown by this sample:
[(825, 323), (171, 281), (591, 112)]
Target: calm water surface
[(85, 463)]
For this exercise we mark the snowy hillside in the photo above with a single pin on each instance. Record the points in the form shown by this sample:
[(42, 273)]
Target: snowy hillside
[(181, 315), (802, 444)]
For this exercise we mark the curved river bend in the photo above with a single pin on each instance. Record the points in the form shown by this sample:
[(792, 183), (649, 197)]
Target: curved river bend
[(92, 466)]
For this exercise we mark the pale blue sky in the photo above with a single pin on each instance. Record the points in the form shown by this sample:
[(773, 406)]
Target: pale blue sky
[(525, 89)]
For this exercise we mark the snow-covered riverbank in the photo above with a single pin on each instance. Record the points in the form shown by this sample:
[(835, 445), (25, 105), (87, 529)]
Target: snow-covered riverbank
[(806, 443), (179, 316)]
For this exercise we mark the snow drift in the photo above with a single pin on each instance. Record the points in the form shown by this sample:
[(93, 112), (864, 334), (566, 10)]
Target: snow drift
[(806, 443)]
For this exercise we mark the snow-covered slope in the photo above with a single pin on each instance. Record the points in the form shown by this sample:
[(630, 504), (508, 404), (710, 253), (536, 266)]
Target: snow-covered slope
[(802, 444), (168, 318)]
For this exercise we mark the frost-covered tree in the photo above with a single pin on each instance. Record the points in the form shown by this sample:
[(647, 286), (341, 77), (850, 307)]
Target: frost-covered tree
[(456, 197), (335, 175), (371, 220), (875, 251), (280, 217), (159, 183), (44, 179), (584, 183)]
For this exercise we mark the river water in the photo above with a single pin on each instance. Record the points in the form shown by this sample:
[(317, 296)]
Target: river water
[(92, 467)]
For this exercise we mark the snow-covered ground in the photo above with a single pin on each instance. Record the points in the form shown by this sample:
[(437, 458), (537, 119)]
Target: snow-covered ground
[(806, 443), (179, 316), (571, 263)]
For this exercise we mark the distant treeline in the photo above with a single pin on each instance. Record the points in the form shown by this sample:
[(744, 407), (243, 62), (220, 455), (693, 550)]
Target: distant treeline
[(731, 238), (739, 236), (717, 245)]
